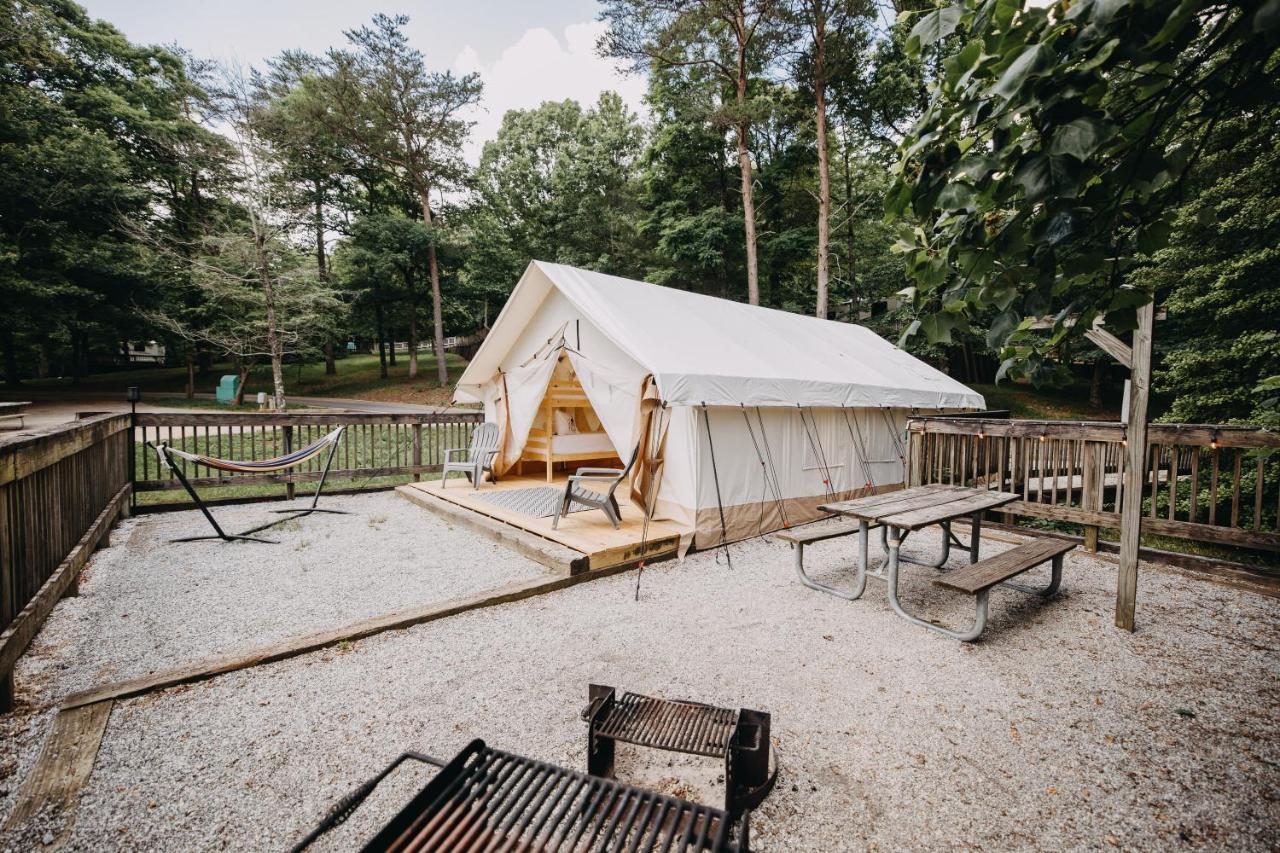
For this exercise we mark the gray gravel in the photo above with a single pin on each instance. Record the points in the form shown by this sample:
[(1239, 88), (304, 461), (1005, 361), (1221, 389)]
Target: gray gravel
[(1055, 732)]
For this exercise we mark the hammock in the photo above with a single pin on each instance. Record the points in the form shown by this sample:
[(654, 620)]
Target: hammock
[(264, 466), (289, 460)]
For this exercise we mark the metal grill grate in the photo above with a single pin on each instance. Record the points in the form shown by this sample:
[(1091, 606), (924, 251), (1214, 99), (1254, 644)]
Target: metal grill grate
[(663, 724), (487, 799)]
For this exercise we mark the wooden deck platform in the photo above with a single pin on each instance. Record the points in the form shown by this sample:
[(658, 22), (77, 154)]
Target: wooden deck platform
[(585, 540)]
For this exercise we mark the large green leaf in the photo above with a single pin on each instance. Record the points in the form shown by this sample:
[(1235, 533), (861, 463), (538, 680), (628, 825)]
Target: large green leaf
[(1080, 138), (1030, 61), (934, 26)]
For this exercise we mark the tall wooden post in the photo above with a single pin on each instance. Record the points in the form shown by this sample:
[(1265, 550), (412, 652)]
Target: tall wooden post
[(1135, 466)]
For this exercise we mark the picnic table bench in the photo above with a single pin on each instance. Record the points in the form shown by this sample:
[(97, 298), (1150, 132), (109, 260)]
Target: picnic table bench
[(901, 513), (11, 416)]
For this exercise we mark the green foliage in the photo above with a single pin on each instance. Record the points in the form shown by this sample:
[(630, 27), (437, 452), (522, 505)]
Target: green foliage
[(558, 183), (91, 127), (1217, 278), (1056, 140)]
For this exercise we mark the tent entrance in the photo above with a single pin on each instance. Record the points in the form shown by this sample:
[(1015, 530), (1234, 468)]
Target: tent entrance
[(566, 428)]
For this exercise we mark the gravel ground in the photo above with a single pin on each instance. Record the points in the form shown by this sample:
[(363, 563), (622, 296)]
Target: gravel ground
[(146, 604), (1055, 732)]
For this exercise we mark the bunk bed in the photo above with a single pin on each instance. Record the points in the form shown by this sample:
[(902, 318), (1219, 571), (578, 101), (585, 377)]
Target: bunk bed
[(566, 428)]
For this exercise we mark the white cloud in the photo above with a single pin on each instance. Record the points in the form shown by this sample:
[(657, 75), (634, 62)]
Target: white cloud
[(538, 68)]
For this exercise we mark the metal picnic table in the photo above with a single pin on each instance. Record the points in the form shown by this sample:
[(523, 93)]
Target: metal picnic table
[(901, 513)]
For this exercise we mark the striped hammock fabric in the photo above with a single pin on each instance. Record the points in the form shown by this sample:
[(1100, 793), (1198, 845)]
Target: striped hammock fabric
[(264, 466)]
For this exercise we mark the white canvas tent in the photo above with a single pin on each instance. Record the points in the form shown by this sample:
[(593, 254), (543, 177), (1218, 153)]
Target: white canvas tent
[(747, 418)]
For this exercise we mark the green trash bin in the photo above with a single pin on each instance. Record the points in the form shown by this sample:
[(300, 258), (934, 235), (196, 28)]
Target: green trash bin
[(227, 387)]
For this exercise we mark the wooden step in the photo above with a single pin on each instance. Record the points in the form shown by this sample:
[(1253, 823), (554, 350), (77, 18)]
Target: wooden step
[(809, 535), (985, 574)]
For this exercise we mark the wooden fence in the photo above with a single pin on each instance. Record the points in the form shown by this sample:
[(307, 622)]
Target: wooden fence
[(1201, 482), (374, 445), (61, 490)]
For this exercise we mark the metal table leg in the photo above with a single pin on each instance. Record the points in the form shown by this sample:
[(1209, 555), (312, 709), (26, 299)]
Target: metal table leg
[(967, 635), (859, 580)]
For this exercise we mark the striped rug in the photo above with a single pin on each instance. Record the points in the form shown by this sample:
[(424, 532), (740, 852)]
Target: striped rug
[(538, 502)]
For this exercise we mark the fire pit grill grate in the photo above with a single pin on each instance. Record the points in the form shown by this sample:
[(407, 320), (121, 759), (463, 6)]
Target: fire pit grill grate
[(739, 737), (486, 799)]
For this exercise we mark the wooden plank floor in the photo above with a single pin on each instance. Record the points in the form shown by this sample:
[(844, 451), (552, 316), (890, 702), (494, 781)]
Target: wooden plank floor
[(588, 532)]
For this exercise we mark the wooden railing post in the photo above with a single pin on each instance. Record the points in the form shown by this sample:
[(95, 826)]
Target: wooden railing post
[(1092, 480), (417, 451), (915, 458), (289, 488)]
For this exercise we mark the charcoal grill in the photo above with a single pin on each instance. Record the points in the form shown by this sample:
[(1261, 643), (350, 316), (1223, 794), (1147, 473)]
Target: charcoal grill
[(487, 799), (739, 737)]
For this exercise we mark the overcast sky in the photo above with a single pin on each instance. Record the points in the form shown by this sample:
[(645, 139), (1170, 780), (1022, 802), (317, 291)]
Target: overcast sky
[(526, 52)]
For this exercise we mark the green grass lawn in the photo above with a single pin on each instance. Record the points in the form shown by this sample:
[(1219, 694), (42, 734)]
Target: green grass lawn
[(357, 377)]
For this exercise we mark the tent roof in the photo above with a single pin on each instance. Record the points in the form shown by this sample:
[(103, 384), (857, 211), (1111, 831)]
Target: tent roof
[(701, 349)]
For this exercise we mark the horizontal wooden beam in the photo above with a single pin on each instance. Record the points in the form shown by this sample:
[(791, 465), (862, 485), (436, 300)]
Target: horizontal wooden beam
[(279, 419), (1219, 535), (22, 454), (1077, 430), (1190, 435)]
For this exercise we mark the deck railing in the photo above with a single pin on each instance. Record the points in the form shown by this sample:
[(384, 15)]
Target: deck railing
[(61, 490), (374, 445), (1208, 483)]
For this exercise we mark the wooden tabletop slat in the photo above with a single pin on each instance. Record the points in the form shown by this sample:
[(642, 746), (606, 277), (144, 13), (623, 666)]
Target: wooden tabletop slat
[(917, 498), (932, 503), (919, 517), (874, 501)]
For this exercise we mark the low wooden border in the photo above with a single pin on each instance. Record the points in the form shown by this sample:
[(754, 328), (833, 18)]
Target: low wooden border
[(63, 768), (307, 643)]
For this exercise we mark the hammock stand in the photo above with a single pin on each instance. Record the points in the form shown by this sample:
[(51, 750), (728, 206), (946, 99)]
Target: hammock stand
[(293, 459)]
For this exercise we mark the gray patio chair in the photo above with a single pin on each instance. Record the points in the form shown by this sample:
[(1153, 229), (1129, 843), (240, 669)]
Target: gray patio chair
[(476, 459), (608, 478)]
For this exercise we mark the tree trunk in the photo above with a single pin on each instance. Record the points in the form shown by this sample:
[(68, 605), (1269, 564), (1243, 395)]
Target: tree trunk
[(382, 340), (242, 376), (1095, 385), (744, 165), (322, 267), (413, 338), (851, 234), (191, 375), (437, 310), (824, 166), (274, 345)]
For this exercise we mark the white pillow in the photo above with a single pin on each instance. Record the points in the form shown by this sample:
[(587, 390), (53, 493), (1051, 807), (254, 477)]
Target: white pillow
[(563, 423)]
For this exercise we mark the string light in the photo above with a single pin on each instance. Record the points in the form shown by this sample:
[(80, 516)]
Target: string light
[(1214, 443)]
